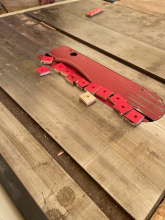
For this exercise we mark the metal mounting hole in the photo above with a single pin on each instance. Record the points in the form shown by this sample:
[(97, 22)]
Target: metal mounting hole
[(73, 54)]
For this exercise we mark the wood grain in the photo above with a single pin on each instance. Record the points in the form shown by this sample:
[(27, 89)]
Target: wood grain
[(156, 8), (127, 162), (53, 190)]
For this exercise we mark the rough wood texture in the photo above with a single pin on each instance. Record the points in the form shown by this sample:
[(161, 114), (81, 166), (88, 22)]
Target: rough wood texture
[(134, 37), (152, 7), (54, 191), (127, 162)]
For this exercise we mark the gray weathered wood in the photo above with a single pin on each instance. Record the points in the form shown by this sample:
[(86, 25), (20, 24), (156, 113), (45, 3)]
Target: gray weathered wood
[(135, 38), (127, 162), (51, 187)]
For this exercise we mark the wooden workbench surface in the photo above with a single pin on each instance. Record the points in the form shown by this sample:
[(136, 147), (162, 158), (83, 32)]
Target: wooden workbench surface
[(127, 162)]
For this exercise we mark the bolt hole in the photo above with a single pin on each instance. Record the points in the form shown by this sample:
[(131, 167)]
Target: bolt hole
[(73, 54)]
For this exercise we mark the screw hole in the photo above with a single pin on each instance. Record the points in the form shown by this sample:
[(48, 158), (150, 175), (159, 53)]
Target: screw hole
[(93, 87), (135, 116), (104, 91), (73, 54), (122, 106), (118, 98)]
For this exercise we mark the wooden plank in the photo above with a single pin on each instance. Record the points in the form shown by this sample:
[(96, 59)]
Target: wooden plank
[(156, 8), (114, 32), (127, 162), (51, 187)]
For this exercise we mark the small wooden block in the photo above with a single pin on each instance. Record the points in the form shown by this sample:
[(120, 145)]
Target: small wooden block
[(87, 98), (67, 71), (104, 93), (92, 88), (134, 117), (46, 60), (122, 107), (94, 12), (117, 99), (59, 67), (82, 83), (43, 71), (73, 77)]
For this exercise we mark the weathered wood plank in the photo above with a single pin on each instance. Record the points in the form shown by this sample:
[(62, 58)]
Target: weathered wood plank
[(128, 35), (152, 7), (127, 162), (51, 187)]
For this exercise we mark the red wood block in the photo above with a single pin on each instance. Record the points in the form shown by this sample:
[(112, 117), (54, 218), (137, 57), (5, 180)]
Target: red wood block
[(46, 60), (104, 93), (134, 117), (92, 88), (67, 71), (73, 77), (59, 67), (82, 83), (122, 107), (43, 70), (117, 99), (94, 12)]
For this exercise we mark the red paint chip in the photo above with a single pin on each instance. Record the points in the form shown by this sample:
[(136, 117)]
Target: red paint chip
[(67, 71), (117, 99), (73, 77), (94, 12), (134, 117), (122, 107), (92, 88), (104, 93), (46, 60), (82, 83), (43, 70), (59, 67)]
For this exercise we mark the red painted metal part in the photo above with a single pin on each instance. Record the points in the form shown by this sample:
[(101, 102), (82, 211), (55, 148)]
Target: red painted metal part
[(137, 96)]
